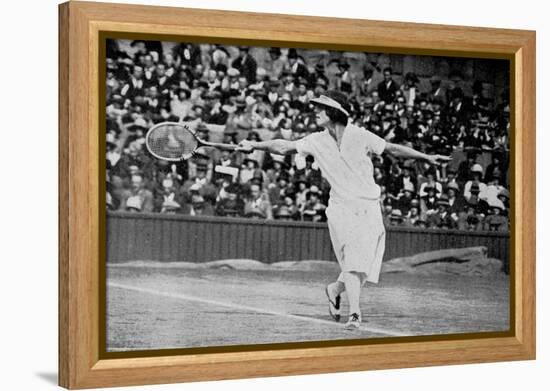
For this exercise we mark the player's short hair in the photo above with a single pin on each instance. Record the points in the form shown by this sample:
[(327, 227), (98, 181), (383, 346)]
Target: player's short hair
[(335, 115)]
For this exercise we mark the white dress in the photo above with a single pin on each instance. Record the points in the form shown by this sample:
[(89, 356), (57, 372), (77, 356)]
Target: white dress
[(354, 217)]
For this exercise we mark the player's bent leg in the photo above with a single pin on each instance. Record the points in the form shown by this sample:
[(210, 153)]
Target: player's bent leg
[(333, 292)]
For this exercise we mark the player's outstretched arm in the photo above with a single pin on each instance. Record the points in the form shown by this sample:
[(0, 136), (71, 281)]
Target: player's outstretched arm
[(402, 151), (279, 146)]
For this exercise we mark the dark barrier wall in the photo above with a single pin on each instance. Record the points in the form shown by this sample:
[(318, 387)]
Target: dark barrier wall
[(133, 236)]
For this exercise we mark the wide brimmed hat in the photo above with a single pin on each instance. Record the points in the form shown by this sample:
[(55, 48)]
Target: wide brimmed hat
[(454, 186), (443, 201), (324, 100), (396, 215), (255, 212)]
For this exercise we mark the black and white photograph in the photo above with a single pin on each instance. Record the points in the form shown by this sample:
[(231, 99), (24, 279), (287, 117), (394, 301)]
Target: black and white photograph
[(274, 195)]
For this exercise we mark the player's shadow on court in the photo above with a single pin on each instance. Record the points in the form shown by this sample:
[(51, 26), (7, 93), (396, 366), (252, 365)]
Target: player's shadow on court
[(49, 377)]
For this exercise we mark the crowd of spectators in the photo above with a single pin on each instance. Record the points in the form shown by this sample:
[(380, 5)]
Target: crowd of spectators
[(230, 93)]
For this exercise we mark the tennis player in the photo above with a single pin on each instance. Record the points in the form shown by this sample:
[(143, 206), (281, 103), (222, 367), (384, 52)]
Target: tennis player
[(342, 151)]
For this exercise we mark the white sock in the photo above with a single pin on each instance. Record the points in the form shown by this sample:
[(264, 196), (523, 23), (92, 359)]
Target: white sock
[(352, 281)]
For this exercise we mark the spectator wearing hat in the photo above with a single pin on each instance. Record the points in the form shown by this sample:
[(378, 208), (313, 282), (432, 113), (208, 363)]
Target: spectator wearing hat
[(396, 218), (455, 199), (442, 218), (318, 74), (276, 191), (473, 223), (213, 113), (450, 178), (458, 106), (345, 81), (387, 208), (408, 176), (187, 54), (504, 197), (309, 174), (413, 214), (407, 194), (393, 181), (388, 87), (180, 104), (430, 181), (421, 223), (313, 209), (273, 90), (249, 168), (369, 83), (409, 89), (219, 55), (198, 206), (200, 184), (246, 64), (428, 202), (137, 197), (289, 203), (494, 187), (496, 168), (476, 173), (257, 203), (474, 200), (135, 85), (275, 165), (301, 187), (168, 191), (276, 63), (296, 65), (465, 167), (231, 205), (496, 220), (283, 214), (170, 207)]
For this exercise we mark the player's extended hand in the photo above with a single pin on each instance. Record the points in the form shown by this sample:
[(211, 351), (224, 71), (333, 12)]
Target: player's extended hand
[(438, 159), (245, 146)]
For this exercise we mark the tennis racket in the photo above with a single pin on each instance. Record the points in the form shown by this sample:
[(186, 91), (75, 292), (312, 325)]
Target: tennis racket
[(174, 142)]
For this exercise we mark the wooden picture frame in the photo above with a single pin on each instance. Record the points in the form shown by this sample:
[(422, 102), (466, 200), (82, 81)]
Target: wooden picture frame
[(81, 230)]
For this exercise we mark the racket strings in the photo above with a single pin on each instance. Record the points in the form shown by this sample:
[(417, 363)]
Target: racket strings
[(171, 142)]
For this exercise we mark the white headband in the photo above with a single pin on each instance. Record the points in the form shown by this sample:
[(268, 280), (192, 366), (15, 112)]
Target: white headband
[(326, 101)]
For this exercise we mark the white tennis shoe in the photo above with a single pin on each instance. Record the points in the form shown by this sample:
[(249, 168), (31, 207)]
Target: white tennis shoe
[(354, 322)]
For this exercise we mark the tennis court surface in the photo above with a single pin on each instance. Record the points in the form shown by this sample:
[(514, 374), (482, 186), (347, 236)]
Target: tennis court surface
[(153, 305)]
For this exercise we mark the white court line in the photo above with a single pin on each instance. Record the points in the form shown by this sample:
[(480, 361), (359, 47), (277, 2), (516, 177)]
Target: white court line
[(181, 296)]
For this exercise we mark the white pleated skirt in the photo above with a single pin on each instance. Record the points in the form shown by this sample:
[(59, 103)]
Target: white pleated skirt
[(358, 236)]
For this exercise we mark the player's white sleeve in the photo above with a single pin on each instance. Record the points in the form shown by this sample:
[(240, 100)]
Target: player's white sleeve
[(374, 143), (304, 146)]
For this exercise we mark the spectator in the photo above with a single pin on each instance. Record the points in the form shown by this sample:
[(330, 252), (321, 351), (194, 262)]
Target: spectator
[(414, 214), (396, 218), (137, 198), (456, 201), (430, 182), (257, 204), (388, 87), (428, 202), (231, 205), (495, 221), (265, 93), (441, 218), (314, 209), (476, 175), (246, 64), (198, 206)]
